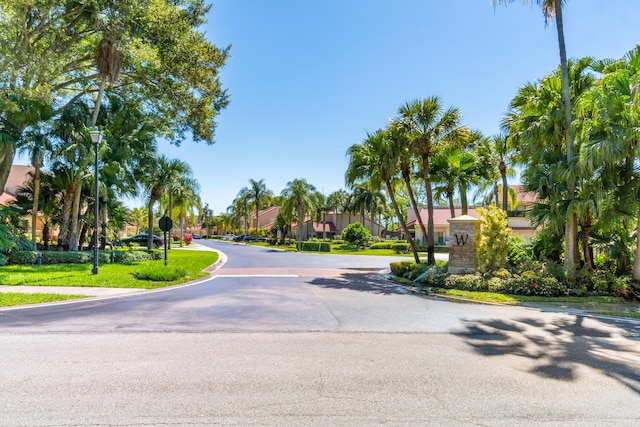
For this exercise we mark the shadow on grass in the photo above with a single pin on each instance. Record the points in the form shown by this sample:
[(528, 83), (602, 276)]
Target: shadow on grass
[(559, 348), (360, 282)]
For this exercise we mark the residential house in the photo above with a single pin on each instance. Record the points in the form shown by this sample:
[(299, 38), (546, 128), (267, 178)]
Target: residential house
[(332, 224), (517, 221)]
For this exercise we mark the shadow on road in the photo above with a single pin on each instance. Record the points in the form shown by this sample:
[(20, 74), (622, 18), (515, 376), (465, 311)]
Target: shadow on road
[(557, 349), (359, 282)]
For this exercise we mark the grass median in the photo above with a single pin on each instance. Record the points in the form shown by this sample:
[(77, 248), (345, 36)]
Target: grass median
[(189, 263)]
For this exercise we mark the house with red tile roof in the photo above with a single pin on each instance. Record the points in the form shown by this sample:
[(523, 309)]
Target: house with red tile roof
[(517, 221)]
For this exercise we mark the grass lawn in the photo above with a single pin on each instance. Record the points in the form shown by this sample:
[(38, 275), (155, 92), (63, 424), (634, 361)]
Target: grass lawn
[(110, 275), (16, 298)]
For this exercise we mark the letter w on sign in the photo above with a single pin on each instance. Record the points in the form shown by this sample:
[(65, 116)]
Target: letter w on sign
[(461, 239)]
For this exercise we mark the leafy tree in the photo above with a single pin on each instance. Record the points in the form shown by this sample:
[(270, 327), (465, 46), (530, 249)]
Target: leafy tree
[(258, 192), (430, 127), (165, 172), (48, 51), (375, 161), (300, 198), (240, 206), (492, 245), (406, 161), (138, 217), (356, 234), (552, 9)]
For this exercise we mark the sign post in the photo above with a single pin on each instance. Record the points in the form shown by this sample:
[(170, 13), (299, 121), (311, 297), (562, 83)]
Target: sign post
[(165, 225)]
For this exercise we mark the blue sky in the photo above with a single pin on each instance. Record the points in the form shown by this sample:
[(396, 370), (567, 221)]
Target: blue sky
[(307, 79)]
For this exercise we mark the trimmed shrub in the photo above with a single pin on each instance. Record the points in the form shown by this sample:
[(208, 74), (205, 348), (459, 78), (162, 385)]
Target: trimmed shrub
[(76, 257), (401, 248), (465, 282), (24, 257), (311, 246), (402, 268), (316, 246), (132, 256), (356, 234), (433, 276), (536, 286)]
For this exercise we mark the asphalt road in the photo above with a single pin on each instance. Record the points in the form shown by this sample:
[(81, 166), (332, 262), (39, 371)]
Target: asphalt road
[(280, 338)]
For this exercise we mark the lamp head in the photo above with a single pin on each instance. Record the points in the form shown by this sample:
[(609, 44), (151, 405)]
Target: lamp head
[(96, 135)]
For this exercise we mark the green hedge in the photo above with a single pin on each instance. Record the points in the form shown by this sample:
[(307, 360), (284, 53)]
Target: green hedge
[(316, 246), (83, 257)]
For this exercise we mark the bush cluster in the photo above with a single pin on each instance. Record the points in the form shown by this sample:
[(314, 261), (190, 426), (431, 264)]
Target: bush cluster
[(82, 257), (316, 246)]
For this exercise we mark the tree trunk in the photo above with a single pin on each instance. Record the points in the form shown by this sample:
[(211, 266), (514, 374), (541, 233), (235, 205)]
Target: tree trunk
[(505, 187), (7, 153), (431, 253), (412, 243), (103, 226), (96, 110), (571, 228), (414, 203), (635, 275), (452, 208), (300, 219), (586, 231), (34, 212), (152, 201), (463, 199), (75, 215), (45, 235)]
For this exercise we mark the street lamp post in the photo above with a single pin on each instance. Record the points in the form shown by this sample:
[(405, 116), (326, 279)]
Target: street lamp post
[(96, 137)]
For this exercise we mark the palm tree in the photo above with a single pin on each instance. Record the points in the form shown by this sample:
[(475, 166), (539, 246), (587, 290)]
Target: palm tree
[(430, 127), (536, 128), (609, 123), (240, 206), (553, 9), (258, 192), (138, 216), (374, 161), (402, 148), (37, 145), (165, 172), (108, 63), (299, 197)]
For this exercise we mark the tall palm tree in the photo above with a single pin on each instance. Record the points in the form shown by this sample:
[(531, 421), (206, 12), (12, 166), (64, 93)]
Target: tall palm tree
[(138, 217), (552, 9), (299, 197), (430, 127), (240, 206), (108, 63), (536, 127), (165, 172), (406, 160), (258, 192), (374, 161)]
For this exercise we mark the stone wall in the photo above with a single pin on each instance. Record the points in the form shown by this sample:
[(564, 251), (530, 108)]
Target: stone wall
[(462, 251)]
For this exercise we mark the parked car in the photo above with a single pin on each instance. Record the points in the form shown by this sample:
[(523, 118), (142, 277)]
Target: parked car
[(142, 239), (195, 235), (240, 238), (261, 239), (228, 237), (248, 238)]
